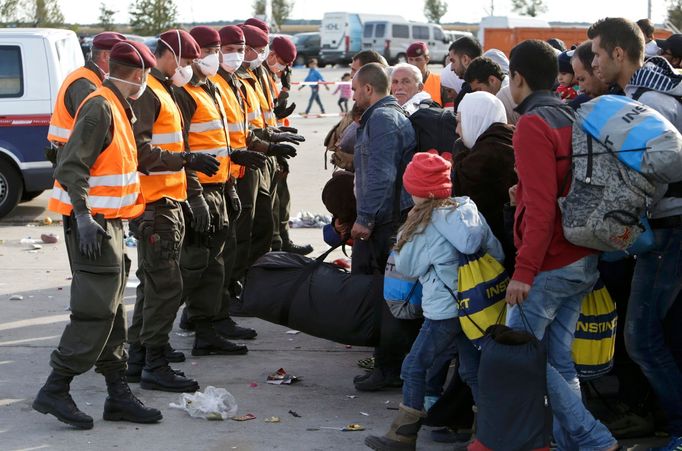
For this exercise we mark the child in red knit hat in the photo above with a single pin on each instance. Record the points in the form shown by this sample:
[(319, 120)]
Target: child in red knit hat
[(438, 228)]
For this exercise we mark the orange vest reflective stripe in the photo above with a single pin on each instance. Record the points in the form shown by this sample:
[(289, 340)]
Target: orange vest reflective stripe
[(253, 111), (208, 131), (114, 184), (432, 86), (167, 135), (236, 122), (61, 122), (265, 105), (275, 92)]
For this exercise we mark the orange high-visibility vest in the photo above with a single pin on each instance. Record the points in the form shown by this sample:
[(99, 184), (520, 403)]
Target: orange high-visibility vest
[(167, 135), (114, 185), (432, 86), (275, 92), (61, 122), (237, 125), (263, 99), (208, 131), (253, 111)]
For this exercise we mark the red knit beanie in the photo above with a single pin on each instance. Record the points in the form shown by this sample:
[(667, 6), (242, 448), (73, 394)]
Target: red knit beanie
[(428, 176)]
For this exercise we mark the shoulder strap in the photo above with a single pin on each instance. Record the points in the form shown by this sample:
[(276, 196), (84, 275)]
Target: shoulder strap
[(641, 90)]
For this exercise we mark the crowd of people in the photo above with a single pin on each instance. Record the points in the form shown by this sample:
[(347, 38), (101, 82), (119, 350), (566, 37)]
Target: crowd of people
[(204, 122)]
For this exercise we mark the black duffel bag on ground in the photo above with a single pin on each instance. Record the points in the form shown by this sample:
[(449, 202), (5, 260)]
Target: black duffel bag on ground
[(315, 297)]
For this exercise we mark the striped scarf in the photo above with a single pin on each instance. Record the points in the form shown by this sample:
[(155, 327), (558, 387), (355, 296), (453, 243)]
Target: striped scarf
[(657, 75)]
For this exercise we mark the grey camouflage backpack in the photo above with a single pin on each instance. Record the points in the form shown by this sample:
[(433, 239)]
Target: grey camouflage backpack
[(606, 200)]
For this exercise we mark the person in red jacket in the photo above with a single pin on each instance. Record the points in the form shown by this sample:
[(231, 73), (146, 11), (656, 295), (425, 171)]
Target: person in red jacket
[(552, 276)]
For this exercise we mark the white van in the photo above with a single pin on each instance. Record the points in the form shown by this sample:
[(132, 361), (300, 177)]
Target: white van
[(341, 35), (392, 38), (508, 22), (33, 64)]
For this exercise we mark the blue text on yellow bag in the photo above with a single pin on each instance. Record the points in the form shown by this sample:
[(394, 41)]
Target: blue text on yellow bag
[(482, 287), (595, 334)]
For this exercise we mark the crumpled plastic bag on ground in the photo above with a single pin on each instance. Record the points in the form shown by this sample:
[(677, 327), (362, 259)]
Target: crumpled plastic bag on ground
[(213, 404), (307, 220)]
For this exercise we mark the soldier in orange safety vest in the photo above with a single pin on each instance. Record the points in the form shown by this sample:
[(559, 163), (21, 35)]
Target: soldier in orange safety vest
[(418, 56), (76, 87), (98, 189)]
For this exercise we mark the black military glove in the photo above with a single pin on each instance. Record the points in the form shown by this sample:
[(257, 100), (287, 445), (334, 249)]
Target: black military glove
[(288, 129), (248, 158), (233, 199), (285, 78), (201, 218), (283, 111), (286, 137), (281, 150), (90, 235), (201, 162)]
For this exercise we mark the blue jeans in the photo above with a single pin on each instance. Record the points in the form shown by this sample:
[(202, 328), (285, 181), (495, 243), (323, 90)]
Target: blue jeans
[(552, 309), (437, 340), (314, 97), (655, 285)]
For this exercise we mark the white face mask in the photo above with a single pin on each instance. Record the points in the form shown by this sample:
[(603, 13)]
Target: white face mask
[(142, 86), (277, 68), (209, 64), (232, 61), (260, 58), (182, 76)]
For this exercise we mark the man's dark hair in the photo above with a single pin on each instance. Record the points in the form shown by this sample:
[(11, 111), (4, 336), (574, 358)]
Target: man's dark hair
[(481, 68), (646, 27), (466, 46), (585, 55), (536, 61), (618, 32), (374, 74), (96, 53), (161, 48), (557, 44), (368, 56)]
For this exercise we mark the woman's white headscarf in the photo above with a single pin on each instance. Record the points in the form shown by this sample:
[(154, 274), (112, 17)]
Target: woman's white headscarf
[(478, 111)]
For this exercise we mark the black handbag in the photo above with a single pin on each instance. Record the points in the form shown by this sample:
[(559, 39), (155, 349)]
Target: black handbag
[(315, 297)]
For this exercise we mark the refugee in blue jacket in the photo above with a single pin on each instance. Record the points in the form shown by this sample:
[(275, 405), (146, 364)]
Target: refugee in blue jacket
[(314, 76), (437, 229)]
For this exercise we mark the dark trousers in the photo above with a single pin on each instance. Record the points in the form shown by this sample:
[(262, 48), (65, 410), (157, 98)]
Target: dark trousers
[(201, 261), (314, 97), (229, 261), (343, 104), (281, 211), (159, 231), (97, 329), (397, 335)]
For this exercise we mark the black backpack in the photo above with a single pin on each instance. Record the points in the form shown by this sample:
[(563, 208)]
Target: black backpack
[(434, 127)]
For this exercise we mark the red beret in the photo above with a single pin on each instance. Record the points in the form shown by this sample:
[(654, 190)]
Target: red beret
[(190, 48), (205, 36), (106, 40), (231, 34), (417, 49), (130, 52), (254, 22), (255, 37), (284, 48)]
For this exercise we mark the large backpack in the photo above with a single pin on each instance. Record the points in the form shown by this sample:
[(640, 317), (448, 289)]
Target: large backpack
[(434, 128), (606, 199)]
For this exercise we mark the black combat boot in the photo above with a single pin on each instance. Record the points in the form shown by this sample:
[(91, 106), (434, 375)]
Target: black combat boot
[(122, 405), (229, 329), (289, 246), (173, 355), (54, 398), (378, 379), (157, 375), (208, 342), (136, 355)]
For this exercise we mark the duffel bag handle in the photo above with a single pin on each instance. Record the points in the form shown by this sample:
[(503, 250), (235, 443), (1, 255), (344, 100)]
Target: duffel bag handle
[(324, 256)]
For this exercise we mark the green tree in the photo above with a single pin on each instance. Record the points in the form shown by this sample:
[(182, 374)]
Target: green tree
[(152, 17), (106, 17), (675, 12), (9, 10), (281, 10), (39, 13), (434, 10), (530, 8)]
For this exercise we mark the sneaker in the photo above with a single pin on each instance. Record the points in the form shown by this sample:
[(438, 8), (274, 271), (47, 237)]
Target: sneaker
[(631, 425)]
